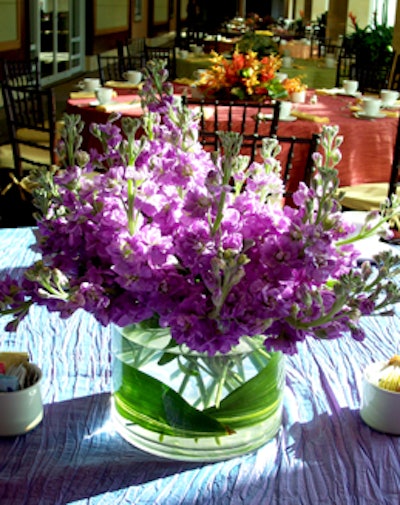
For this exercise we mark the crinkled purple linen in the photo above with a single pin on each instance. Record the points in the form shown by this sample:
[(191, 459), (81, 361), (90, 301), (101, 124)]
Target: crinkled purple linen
[(323, 455)]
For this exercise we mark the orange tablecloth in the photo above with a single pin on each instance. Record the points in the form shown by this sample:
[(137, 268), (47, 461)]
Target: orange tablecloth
[(367, 149)]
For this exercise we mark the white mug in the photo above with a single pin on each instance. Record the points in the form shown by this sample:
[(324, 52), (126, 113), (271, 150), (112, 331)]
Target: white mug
[(22, 410), (389, 96), (89, 84), (287, 62), (133, 76), (104, 95), (371, 106), (285, 109), (198, 74), (184, 54), (330, 61), (350, 86), (281, 76), (298, 96)]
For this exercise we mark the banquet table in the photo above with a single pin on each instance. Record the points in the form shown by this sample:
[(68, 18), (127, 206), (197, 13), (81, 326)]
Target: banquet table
[(323, 453), (367, 149), (186, 67)]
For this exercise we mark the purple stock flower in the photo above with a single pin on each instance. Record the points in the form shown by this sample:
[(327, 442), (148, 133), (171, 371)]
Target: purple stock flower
[(159, 232)]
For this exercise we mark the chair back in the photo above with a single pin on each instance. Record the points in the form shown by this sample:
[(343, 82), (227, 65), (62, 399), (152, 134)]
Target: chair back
[(395, 75), (299, 149), (163, 53), (242, 117), (345, 68), (112, 68), (394, 174), (31, 120), (373, 78), (21, 72), (134, 50)]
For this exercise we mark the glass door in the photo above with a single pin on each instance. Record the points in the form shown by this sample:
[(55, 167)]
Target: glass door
[(58, 37)]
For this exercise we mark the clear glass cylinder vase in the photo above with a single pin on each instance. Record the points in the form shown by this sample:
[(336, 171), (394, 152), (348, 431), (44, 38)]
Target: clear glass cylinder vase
[(182, 405)]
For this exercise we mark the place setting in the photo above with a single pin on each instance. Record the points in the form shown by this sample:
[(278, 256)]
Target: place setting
[(133, 79)]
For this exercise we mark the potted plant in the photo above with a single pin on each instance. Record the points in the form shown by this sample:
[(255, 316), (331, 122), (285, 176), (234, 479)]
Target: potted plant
[(372, 45)]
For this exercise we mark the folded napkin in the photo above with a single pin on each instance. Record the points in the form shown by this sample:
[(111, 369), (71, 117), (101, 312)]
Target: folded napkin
[(82, 94), (309, 117), (328, 91), (123, 85), (119, 107), (184, 80), (390, 113)]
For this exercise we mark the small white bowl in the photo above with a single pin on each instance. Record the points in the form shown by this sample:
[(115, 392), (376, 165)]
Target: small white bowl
[(22, 410), (380, 408)]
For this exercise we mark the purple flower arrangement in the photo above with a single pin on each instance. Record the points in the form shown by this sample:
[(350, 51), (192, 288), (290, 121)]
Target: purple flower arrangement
[(154, 227)]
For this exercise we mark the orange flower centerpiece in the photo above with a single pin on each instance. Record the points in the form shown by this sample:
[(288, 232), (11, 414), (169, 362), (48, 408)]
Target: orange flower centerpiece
[(295, 88), (244, 77)]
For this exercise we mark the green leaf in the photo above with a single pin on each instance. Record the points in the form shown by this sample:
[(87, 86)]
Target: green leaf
[(155, 406), (254, 401)]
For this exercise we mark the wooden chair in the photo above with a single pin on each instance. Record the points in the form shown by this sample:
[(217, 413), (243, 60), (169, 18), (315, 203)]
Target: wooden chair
[(373, 78), (395, 75), (134, 49), (21, 72), (163, 53), (297, 148), (112, 68), (31, 121), (242, 117), (345, 68), (328, 46), (371, 196)]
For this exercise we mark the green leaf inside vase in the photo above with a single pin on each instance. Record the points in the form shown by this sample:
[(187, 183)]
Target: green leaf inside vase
[(153, 405)]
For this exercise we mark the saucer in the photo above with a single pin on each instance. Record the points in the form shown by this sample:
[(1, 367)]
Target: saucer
[(288, 118), (392, 106), (363, 115), (342, 92)]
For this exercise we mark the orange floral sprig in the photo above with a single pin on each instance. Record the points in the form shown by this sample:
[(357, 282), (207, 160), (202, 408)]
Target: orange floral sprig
[(294, 85), (353, 19), (244, 76)]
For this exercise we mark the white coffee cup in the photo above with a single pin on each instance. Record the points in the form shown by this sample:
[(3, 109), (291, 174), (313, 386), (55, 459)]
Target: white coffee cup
[(22, 410), (350, 86), (104, 95), (330, 61), (197, 50), (281, 76), (371, 106), (285, 109), (287, 62), (184, 54), (389, 96), (133, 76), (198, 74), (89, 84)]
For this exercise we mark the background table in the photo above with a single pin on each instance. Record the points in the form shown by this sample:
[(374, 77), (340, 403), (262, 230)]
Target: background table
[(314, 73), (324, 453), (367, 150)]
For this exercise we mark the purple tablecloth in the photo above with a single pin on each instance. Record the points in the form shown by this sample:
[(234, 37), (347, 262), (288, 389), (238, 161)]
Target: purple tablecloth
[(324, 453)]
